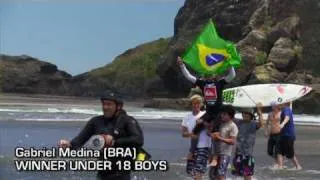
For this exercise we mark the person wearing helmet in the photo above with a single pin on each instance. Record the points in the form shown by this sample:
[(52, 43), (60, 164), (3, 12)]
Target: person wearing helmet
[(118, 130), (243, 162)]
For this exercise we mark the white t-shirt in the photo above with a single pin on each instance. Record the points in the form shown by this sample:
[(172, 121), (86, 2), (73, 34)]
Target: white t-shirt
[(190, 122), (204, 140)]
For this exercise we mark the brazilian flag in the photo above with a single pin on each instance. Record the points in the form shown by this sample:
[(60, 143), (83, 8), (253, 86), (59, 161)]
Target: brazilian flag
[(210, 54)]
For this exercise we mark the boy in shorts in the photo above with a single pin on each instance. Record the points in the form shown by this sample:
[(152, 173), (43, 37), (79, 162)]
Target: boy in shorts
[(243, 161), (225, 138)]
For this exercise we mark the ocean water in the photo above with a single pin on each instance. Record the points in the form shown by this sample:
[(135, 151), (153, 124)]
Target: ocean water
[(42, 125), (60, 112)]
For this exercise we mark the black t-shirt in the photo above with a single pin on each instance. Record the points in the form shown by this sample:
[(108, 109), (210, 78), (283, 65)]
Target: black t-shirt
[(212, 93)]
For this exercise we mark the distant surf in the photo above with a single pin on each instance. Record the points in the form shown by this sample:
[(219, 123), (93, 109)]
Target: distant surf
[(61, 112)]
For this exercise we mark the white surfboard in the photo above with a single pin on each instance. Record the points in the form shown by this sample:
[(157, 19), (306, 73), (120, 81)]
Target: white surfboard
[(267, 94)]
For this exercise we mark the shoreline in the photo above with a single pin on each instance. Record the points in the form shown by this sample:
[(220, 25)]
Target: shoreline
[(11, 99), (142, 121), (17, 99), (162, 140)]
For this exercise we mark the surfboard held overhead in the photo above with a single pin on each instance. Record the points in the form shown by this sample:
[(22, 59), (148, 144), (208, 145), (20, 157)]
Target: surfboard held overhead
[(267, 94)]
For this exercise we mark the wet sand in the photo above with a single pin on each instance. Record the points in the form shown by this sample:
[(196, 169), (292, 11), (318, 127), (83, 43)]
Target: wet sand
[(162, 140)]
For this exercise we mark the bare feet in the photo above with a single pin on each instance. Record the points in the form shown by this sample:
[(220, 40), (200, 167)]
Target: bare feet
[(214, 161), (277, 167)]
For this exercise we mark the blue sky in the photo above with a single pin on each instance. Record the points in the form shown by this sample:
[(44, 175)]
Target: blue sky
[(82, 35)]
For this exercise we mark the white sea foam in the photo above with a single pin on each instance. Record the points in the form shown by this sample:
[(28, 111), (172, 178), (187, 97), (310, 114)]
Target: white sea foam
[(82, 114)]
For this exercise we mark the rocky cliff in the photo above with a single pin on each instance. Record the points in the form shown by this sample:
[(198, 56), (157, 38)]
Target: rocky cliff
[(24, 74), (129, 74), (277, 39)]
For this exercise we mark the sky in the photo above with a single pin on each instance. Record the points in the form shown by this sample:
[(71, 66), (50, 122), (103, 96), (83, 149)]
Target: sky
[(81, 35)]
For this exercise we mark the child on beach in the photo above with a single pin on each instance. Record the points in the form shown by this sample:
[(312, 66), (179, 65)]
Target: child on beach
[(200, 144), (243, 161), (225, 138)]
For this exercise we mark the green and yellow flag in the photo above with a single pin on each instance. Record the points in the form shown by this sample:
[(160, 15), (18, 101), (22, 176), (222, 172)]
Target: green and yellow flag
[(211, 55)]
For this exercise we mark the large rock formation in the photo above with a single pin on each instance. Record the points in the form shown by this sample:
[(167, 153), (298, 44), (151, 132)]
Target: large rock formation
[(277, 39), (129, 74), (24, 74)]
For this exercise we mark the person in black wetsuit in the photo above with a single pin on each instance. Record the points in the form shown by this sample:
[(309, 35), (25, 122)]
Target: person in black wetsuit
[(118, 130), (212, 88)]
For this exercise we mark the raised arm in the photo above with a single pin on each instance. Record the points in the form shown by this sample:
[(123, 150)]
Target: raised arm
[(185, 71), (231, 75), (260, 117), (266, 127)]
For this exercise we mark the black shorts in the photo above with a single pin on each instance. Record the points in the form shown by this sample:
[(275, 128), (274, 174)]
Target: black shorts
[(273, 145), (287, 147)]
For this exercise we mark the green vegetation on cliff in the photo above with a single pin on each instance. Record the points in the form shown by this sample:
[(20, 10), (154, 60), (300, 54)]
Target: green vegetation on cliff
[(134, 67)]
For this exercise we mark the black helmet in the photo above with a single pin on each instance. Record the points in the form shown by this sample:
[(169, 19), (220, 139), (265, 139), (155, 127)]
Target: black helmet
[(112, 97)]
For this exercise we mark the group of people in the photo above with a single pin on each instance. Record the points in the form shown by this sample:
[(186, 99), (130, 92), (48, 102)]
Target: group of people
[(281, 132), (214, 131)]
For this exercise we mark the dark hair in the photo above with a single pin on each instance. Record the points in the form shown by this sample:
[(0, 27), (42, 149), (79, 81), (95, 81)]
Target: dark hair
[(206, 117), (249, 111), (229, 110), (253, 116)]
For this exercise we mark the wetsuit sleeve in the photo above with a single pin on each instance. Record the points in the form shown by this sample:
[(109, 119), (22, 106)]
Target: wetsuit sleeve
[(230, 76), (83, 136), (135, 135), (187, 74), (200, 83)]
